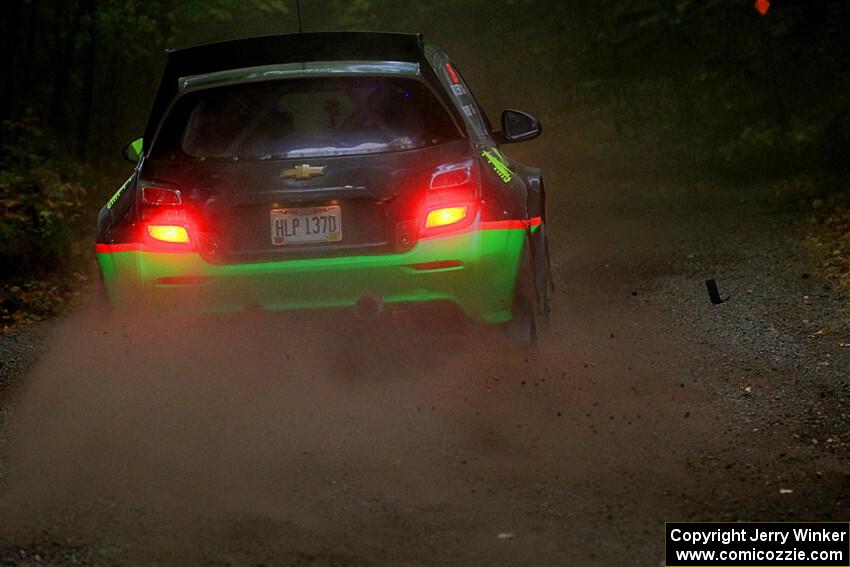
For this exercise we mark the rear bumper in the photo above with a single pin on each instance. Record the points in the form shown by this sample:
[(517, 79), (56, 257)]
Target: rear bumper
[(479, 277)]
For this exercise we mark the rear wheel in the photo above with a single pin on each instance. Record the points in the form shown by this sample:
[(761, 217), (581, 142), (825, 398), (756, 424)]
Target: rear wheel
[(543, 275), (523, 329)]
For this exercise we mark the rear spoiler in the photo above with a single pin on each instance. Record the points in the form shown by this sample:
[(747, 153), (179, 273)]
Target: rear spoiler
[(276, 49)]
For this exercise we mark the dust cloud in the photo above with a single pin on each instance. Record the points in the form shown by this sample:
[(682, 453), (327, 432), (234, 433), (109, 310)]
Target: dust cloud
[(156, 428), (315, 440)]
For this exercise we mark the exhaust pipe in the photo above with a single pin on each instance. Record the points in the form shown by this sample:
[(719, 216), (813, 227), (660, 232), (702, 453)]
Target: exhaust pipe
[(368, 307)]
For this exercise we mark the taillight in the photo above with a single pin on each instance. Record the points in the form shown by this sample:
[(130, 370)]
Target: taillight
[(445, 216), (166, 223), (174, 234), (452, 198), (153, 195), (452, 175)]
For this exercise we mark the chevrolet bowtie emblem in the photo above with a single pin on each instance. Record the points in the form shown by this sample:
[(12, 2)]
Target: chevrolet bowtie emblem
[(303, 171)]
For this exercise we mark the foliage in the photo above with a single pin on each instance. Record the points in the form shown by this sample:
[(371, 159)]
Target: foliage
[(34, 300), (693, 82), (41, 203)]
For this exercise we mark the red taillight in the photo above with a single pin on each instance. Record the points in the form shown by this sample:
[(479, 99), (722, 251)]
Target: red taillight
[(166, 223), (171, 233), (446, 216), (158, 196), (164, 235), (451, 201)]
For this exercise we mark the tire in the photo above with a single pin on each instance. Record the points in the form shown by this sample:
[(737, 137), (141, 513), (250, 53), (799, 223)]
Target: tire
[(523, 329), (543, 275)]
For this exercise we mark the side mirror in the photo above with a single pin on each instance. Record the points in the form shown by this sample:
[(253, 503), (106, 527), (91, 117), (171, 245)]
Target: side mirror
[(133, 150), (518, 126)]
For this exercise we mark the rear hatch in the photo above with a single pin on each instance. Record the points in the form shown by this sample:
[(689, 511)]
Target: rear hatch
[(305, 167)]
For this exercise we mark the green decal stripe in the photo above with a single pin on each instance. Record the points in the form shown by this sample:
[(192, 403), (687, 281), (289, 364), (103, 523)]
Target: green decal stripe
[(117, 194), (497, 160)]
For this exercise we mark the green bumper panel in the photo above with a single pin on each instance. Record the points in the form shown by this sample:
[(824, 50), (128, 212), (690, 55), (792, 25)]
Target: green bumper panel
[(482, 285)]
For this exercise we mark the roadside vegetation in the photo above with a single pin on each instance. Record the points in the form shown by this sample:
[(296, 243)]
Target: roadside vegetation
[(704, 87), (830, 238), (44, 224)]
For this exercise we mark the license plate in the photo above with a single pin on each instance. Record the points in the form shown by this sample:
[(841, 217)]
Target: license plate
[(306, 224)]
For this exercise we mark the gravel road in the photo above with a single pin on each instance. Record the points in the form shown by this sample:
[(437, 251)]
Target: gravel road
[(185, 443)]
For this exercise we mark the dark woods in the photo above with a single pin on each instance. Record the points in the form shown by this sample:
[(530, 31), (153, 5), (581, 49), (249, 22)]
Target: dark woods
[(86, 68), (711, 78), (77, 80), (708, 85)]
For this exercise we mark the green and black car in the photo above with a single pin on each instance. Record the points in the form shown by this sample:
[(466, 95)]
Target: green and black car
[(326, 170)]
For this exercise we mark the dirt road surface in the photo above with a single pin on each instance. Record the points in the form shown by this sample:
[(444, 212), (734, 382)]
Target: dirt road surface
[(269, 443)]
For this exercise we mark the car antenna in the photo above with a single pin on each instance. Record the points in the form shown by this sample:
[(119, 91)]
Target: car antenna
[(298, 9)]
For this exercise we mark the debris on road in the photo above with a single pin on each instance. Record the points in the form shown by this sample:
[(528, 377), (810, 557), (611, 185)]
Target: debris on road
[(714, 293), (821, 332)]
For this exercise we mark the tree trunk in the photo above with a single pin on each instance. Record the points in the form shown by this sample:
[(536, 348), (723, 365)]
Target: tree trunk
[(773, 78), (89, 55), (10, 26), (57, 117)]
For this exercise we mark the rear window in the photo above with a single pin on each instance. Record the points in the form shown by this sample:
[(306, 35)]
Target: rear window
[(307, 117)]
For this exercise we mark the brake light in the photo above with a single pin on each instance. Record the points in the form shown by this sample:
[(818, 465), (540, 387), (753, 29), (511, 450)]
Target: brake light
[(157, 196), (174, 234), (452, 198), (445, 216)]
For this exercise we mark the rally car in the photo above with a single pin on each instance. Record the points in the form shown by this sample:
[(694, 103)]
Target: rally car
[(327, 170)]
